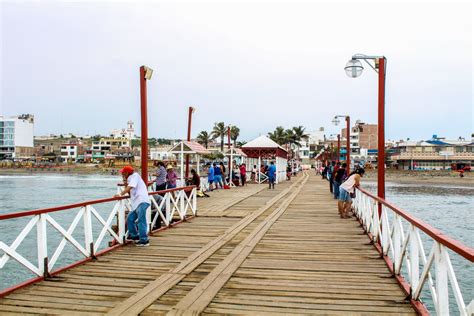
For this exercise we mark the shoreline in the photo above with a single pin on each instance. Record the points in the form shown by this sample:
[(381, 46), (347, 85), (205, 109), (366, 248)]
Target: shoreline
[(396, 176)]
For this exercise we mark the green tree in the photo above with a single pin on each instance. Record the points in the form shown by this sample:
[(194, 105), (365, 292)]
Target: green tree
[(298, 135), (278, 136), (219, 131), (136, 143), (204, 138), (234, 134)]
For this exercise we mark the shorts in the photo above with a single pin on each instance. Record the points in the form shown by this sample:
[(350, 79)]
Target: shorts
[(344, 195), (210, 181), (218, 179)]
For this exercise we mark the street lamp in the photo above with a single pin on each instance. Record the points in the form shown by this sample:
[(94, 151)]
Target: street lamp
[(145, 74), (354, 69), (190, 114), (336, 122)]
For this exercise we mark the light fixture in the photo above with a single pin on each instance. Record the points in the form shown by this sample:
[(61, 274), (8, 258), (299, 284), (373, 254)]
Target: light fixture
[(336, 121), (353, 68), (148, 73)]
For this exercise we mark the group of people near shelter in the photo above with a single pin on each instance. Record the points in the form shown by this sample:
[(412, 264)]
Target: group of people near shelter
[(166, 178), (342, 185)]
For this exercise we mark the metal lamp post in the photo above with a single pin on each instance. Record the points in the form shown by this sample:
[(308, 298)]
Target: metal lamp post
[(190, 115), (336, 122), (354, 69), (145, 74)]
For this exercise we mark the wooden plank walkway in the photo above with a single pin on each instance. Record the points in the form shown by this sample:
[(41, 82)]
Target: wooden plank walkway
[(251, 251)]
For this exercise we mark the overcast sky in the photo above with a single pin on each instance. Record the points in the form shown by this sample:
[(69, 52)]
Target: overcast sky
[(75, 65)]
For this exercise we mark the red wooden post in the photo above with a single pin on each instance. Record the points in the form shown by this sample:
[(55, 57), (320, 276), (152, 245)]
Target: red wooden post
[(348, 144), (190, 114), (144, 125), (338, 147), (228, 146), (381, 134)]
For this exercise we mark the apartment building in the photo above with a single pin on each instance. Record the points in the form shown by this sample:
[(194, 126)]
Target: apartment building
[(16, 137), (363, 140)]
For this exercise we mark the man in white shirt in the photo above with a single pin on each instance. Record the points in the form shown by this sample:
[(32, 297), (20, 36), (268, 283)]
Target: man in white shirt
[(136, 220)]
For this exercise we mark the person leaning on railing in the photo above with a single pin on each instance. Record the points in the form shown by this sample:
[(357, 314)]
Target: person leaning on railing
[(136, 219), (346, 192)]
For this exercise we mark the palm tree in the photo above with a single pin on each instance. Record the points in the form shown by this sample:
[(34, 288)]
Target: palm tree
[(219, 131), (278, 136), (234, 134), (204, 138), (298, 136)]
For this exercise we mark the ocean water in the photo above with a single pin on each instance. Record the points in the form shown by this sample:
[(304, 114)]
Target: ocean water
[(446, 207)]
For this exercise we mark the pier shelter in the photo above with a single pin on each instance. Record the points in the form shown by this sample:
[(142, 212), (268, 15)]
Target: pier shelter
[(263, 149), (194, 149)]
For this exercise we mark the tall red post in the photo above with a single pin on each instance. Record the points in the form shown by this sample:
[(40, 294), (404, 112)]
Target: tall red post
[(144, 125), (228, 146), (381, 134), (348, 144), (190, 114), (338, 147)]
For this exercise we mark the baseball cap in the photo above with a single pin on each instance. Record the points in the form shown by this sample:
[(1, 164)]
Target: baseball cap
[(127, 169)]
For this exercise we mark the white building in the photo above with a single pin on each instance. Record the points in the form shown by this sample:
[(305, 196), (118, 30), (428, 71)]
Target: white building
[(161, 153), (128, 133), (16, 136), (69, 152), (315, 138)]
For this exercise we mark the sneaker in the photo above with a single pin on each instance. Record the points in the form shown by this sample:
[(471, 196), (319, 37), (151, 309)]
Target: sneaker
[(143, 243), (129, 238)]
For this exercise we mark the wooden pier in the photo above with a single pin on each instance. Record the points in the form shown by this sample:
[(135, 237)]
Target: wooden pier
[(250, 251)]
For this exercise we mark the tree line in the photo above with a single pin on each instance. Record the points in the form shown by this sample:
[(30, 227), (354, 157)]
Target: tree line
[(219, 131)]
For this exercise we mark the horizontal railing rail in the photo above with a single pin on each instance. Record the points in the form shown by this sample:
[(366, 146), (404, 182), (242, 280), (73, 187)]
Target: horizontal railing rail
[(396, 234), (178, 201)]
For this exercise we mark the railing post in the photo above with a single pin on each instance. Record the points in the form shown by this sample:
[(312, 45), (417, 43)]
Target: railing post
[(414, 258), (148, 217), (88, 238), (182, 212), (441, 267), (385, 231), (42, 245), (168, 207), (121, 221), (396, 242), (194, 201)]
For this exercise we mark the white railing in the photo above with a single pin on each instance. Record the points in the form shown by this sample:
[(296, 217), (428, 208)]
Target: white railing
[(397, 235), (179, 201)]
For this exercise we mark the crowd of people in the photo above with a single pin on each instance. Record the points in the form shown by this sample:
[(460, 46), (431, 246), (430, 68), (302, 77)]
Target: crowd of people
[(342, 184), (166, 178)]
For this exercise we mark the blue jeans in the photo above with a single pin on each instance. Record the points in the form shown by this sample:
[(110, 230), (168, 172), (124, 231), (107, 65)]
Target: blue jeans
[(336, 189), (137, 219)]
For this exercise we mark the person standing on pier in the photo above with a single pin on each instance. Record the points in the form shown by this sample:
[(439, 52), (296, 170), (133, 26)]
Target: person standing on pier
[(347, 190), (218, 176), (160, 181), (136, 219), (210, 177), (243, 174), (339, 177), (171, 177), (271, 172)]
